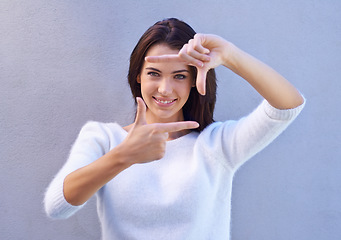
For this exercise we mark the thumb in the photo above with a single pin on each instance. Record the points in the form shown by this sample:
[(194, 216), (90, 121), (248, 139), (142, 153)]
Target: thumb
[(201, 80), (140, 112)]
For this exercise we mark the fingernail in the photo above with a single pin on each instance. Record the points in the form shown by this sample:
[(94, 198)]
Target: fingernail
[(206, 51)]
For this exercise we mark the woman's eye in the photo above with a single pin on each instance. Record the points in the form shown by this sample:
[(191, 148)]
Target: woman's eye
[(153, 74), (180, 76)]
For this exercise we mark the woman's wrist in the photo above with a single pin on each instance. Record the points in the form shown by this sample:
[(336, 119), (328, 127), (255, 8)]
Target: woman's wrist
[(230, 55), (120, 157)]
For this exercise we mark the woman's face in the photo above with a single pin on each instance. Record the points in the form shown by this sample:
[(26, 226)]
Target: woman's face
[(165, 87)]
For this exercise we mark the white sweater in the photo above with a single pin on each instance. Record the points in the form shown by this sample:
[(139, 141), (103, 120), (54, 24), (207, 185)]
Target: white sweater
[(186, 194)]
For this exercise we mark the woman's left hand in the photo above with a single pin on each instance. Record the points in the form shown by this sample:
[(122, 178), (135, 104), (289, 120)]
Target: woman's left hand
[(204, 51)]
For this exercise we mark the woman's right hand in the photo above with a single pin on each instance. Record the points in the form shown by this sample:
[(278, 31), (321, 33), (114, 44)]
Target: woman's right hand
[(147, 142), (144, 143)]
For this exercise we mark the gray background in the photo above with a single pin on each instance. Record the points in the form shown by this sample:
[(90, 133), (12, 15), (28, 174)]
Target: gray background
[(63, 63)]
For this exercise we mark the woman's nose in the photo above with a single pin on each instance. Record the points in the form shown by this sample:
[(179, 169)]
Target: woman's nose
[(165, 87)]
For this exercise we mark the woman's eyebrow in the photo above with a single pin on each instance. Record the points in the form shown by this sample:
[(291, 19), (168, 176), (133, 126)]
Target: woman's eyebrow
[(157, 70), (153, 69), (179, 71)]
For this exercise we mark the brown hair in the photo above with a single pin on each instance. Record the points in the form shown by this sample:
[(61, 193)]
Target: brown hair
[(175, 34)]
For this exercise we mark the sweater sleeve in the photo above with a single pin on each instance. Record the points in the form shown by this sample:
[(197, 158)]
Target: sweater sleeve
[(91, 143), (238, 141)]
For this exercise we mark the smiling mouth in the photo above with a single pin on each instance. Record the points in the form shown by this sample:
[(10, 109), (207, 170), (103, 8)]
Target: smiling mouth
[(164, 101)]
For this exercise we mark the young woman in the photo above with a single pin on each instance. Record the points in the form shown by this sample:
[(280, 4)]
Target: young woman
[(169, 174)]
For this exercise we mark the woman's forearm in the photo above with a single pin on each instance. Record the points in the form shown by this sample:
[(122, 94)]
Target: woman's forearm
[(83, 183), (278, 91)]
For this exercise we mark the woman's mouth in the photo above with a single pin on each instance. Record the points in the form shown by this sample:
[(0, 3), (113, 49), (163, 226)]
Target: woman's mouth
[(163, 101)]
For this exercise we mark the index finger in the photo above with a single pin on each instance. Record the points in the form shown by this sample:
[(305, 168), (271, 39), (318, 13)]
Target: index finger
[(173, 58), (164, 58), (176, 126)]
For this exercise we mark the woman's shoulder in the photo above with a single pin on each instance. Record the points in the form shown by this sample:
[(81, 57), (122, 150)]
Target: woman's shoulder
[(107, 128), (215, 126), (263, 113), (215, 129)]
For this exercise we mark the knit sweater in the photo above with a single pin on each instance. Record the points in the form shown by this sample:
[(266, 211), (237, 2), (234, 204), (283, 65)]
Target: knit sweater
[(184, 195)]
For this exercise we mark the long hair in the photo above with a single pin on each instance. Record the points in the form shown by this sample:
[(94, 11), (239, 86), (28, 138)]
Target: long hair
[(175, 34)]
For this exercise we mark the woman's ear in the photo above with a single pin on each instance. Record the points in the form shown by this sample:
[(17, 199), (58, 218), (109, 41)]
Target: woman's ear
[(194, 83), (138, 79)]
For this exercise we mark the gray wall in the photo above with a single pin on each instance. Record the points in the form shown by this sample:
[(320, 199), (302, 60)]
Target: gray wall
[(63, 63)]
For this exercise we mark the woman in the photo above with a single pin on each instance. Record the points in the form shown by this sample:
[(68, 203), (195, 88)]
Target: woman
[(169, 174)]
